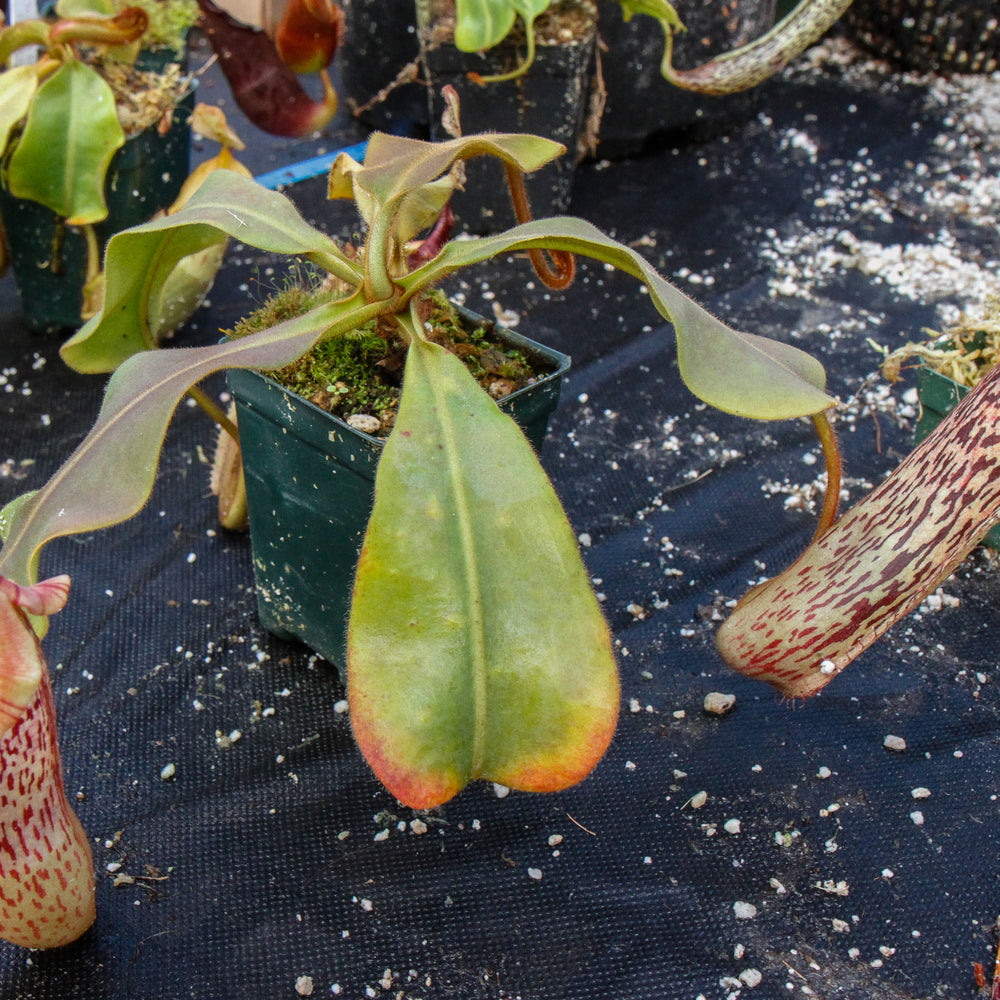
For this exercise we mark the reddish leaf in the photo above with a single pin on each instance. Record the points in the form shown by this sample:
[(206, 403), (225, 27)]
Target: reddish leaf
[(265, 89)]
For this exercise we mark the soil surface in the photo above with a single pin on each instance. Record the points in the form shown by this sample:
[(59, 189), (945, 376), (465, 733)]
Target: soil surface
[(359, 377)]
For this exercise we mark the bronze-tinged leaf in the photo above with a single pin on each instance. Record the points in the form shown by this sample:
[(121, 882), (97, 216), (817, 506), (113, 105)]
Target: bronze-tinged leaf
[(476, 648)]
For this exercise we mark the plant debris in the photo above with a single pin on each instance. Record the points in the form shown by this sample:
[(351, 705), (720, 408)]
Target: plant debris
[(143, 98), (964, 352)]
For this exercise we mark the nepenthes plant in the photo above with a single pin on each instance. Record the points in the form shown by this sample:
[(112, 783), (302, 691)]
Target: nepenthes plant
[(462, 664)]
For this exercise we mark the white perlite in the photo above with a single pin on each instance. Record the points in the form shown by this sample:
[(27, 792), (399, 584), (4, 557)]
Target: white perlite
[(744, 911), (894, 743), (962, 188)]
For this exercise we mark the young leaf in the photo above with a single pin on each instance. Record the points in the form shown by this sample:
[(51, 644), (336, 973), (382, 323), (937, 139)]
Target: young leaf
[(70, 135), (481, 24), (476, 648), (397, 168), (395, 165), (877, 563), (739, 373)]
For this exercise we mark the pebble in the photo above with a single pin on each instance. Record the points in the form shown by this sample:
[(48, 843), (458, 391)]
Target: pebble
[(365, 423), (921, 793), (168, 772), (717, 703), (744, 911), (304, 986), (894, 743)]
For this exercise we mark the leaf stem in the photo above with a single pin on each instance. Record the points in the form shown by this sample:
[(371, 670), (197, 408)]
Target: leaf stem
[(834, 472), (214, 411), (560, 273)]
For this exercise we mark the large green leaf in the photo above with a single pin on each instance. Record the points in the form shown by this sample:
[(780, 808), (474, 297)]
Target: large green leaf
[(140, 261), (70, 135), (736, 372), (476, 648), (109, 476)]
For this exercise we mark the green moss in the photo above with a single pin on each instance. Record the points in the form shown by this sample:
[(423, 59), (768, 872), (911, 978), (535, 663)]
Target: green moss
[(361, 372), (169, 21)]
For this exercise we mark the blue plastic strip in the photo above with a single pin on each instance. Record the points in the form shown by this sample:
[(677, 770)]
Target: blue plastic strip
[(314, 167)]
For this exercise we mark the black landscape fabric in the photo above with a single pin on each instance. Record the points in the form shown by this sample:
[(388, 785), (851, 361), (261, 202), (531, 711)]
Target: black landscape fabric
[(243, 847)]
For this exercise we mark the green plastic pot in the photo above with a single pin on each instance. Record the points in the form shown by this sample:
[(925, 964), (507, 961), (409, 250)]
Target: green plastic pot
[(310, 480), (49, 258), (939, 395)]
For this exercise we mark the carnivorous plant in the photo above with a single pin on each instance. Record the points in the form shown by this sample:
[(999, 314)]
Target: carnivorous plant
[(476, 646)]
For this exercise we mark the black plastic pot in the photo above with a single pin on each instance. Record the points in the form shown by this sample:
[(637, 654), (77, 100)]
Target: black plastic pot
[(551, 99), (957, 35), (49, 258), (381, 41), (640, 104), (310, 480)]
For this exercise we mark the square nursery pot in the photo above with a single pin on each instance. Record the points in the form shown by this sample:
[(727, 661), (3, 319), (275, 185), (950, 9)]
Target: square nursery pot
[(310, 480), (961, 36), (640, 105), (49, 258), (939, 395), (382, 44), (551, 99)]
